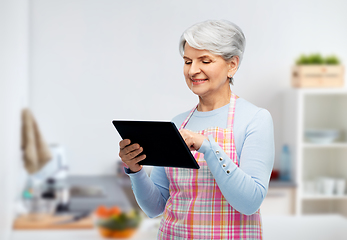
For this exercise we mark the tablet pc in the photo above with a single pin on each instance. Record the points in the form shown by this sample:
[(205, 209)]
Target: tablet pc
[(161, 142)]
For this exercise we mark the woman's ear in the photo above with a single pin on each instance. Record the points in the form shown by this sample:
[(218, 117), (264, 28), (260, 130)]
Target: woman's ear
[(233, 65)]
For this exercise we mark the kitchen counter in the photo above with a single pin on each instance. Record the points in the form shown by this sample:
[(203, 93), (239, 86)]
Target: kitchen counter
[(318, 227), (147, 231)]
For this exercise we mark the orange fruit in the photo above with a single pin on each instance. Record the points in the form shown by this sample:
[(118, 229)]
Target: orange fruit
[(115, 211), (102, 211)]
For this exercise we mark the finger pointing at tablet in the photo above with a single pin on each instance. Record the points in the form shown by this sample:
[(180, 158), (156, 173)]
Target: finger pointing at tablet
[(192, 139), (129, 154)]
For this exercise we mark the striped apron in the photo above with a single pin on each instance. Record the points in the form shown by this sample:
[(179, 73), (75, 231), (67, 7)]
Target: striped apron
[(196, 208)]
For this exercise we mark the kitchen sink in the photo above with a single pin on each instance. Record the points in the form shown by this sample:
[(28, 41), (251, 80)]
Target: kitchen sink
[(89, 192)]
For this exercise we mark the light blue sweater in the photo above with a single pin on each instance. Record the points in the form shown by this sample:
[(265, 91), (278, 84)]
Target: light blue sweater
[(245, 187)]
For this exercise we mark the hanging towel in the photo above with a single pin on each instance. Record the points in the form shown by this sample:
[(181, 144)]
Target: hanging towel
[(36, 152)]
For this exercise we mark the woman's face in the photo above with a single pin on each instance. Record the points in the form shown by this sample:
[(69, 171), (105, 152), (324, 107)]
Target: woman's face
[(206, 74)]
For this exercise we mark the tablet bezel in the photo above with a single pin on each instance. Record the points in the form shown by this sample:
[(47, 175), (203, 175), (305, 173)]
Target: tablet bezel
[(161, 141)]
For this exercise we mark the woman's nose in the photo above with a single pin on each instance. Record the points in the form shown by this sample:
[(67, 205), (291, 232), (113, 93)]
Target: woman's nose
[(194, 69)]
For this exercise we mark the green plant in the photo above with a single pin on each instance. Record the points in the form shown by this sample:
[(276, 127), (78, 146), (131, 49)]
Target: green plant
[(317, 59), (332, 60)]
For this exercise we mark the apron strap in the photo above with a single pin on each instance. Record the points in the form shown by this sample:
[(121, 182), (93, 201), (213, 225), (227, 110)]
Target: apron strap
[(231, 111), (187, 118)]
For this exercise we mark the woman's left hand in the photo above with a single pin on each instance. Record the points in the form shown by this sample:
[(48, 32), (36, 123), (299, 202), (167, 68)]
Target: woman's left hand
[(192, 139)]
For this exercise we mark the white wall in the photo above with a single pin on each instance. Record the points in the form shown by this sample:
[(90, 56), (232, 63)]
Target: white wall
[(93, 61), (13, 96)]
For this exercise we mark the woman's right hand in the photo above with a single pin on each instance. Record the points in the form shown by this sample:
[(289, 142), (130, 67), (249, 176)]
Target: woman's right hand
[(129, 154)]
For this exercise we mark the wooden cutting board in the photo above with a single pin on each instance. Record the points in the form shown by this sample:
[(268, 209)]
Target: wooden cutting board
[(26, 222)]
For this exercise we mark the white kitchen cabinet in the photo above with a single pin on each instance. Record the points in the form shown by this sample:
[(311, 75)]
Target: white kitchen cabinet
[(279, 201), (318, 109)]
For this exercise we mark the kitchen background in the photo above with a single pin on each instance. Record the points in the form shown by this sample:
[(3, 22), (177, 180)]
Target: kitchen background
[(78, 64)]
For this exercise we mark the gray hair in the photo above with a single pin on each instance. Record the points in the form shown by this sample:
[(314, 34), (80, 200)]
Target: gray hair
[(220, 37)]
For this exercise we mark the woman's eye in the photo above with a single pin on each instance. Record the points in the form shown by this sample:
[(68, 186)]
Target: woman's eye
[(187, 62)]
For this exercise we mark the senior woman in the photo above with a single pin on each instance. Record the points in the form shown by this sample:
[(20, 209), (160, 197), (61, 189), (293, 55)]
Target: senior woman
[(231, 139)]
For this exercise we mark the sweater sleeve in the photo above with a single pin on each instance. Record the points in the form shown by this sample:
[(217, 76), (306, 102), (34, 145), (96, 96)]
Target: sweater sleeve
[(151, 193), (244, 187)]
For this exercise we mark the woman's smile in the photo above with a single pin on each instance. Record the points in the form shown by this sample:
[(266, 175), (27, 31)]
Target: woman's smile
[(198, 81)]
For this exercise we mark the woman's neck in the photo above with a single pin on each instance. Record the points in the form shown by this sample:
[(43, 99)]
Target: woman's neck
[(209, 103)]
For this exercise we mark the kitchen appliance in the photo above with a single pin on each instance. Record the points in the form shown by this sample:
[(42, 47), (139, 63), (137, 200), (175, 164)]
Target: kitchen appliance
[(53, 177), (57, 167)]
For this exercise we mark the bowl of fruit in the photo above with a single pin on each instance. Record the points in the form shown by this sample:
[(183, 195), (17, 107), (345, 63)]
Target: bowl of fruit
[(112, 222)]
